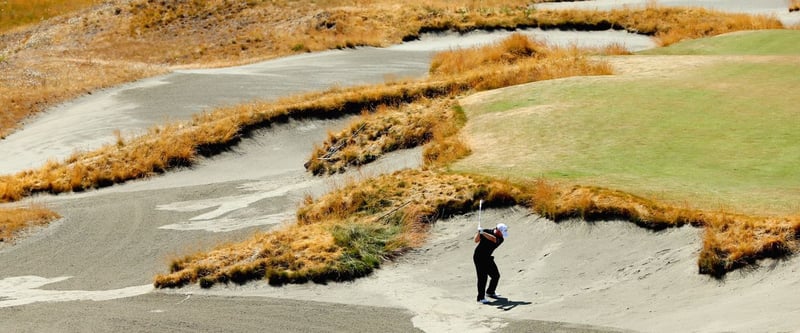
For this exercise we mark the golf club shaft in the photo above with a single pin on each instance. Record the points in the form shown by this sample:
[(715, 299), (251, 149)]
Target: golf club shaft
[(480, 208)]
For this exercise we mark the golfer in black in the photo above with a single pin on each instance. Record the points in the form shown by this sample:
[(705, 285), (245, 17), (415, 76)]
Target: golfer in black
[(488, 240)]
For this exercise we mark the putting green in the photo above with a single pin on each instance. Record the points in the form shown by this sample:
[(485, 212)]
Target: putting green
[(762, 42), (724, 135)]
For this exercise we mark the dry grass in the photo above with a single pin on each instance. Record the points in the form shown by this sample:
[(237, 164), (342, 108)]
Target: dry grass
[(514, 60), (733, 241), (446, 145), (14, 220), (344, 234), (180, 144), (374, 134), (559, 202), (348, 233), (119, 41), (16, 13), (730, 241), (34, 83)]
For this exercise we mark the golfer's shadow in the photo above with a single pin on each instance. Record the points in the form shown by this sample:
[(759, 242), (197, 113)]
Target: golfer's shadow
[(505, 304)]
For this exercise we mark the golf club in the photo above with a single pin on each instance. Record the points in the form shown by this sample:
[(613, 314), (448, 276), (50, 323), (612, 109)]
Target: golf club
[(480, 206)]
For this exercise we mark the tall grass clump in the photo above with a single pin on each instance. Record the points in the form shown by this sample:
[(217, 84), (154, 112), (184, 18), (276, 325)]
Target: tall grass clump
[(446, 145), (374, 134), (14, 220), (732, 241), (515, 60), (344, 234)]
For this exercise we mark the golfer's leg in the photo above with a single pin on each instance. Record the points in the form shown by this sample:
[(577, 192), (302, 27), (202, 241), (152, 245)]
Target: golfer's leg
[(494, 273), (480, 270)]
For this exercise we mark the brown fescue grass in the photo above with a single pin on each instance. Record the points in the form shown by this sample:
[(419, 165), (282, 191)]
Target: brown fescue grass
[(17, 219), (180, 144), (609, 50), (150, 35), (558, 202), (374, 134), (349, 232), (344, 234), (118, 41), (730, 241), (28, 84), (446, 145), (16, 13), (514, 60), (733, 241)]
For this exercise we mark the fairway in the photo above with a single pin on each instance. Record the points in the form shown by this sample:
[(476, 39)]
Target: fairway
[(722, 135), (763, 42)]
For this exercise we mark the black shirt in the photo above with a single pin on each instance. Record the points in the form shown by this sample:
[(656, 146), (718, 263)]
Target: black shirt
[(486, 247)]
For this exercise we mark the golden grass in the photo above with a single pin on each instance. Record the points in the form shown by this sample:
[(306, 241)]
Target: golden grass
[(116, 43), (344, 234), (14, 220), (119, 41), (733, 241), (16, 13), (179, 144), (384, 216), (374, 134), (32, 84), (730, 241), (514, 60), (446, 145)]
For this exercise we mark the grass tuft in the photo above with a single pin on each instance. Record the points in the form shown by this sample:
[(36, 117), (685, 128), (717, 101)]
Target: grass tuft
[(346, 233), (15, 220), (733, 241)]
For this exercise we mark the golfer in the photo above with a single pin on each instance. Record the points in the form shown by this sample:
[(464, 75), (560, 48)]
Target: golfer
[(488, 240)]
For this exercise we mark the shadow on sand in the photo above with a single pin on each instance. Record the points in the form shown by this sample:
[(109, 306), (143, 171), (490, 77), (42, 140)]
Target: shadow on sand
[(505, 304)]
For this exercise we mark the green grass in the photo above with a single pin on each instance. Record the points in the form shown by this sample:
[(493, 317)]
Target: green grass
[(762, 42), (722, 136)]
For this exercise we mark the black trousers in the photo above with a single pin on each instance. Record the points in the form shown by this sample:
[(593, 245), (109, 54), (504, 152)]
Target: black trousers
[(486, 268)]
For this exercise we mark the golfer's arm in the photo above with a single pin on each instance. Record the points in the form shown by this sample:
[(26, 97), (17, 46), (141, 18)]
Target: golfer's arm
[(489, 236), (478, 237)]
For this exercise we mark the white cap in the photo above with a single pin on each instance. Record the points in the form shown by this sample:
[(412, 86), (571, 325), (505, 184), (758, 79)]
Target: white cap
[(503, 228)]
